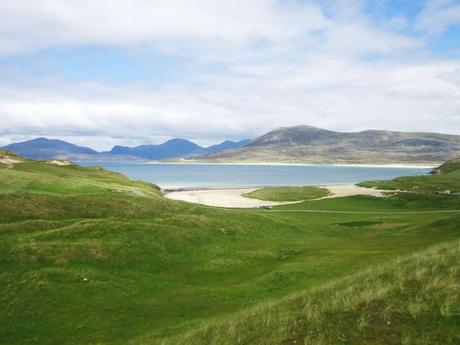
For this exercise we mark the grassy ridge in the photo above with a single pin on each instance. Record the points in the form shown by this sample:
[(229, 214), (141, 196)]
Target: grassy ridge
[(89, 257), (288, 193), (447, 178), (448, 167)]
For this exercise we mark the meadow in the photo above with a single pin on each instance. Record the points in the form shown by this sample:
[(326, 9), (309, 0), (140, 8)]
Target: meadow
[(91, 257), (288, 193)]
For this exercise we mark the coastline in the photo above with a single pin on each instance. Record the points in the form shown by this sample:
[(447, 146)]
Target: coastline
[(234, 197), (350, 165)]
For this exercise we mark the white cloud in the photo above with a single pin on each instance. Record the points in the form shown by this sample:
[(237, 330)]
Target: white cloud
[(347, 96), (439, 15), (27, 24), (282, 63)]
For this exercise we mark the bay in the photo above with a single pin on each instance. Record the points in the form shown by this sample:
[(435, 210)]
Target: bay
[(170, 175)]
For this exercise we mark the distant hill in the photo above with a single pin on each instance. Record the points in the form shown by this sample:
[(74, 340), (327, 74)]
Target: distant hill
[(175, 148), (43, 148), (226, 145), (315, 145), (169, 149)]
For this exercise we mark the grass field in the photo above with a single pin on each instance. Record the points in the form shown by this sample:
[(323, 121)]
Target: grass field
[(288, 193), (448, 178), (90, 257)]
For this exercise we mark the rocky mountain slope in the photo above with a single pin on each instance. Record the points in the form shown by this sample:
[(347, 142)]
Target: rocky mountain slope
[(316, 145)]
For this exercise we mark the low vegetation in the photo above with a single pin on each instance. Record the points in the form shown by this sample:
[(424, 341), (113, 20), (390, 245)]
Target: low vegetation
[(445, 178), (88, 256), (288, 193), (448, 167), (414, 300)]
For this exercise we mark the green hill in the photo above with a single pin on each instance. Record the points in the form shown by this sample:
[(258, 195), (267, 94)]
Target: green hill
[(88, 256), (445, 178), (448, 167)]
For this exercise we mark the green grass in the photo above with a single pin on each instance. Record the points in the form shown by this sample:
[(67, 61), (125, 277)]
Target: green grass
[(412, 300), (449, 167), (89, 257), (10, 154), (359, 224), (288, 193), (447, 179)]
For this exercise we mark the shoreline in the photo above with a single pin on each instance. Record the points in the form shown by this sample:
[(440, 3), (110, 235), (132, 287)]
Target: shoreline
[(166, 190), (349, 165), (234, 197)]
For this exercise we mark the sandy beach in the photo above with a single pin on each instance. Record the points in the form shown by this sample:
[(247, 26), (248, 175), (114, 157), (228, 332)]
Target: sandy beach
[(235, 198), (185, 162)]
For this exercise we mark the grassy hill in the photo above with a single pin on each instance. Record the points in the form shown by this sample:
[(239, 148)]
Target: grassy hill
[(88, 256), (445, 177), (414, 300)]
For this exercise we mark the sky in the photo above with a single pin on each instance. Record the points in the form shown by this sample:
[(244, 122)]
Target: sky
[(105, 72)]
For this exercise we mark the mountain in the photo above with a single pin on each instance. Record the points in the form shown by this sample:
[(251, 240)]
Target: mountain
[(175, 148), (315, 145), (43, 148), (170, 149), (226, 145)]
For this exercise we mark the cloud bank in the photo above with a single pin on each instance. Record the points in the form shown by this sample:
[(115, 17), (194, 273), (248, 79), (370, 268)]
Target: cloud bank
[(240, 68)]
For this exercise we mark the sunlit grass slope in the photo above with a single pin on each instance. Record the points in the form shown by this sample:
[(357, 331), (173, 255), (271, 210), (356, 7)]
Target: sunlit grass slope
[(88, 256), (413, 300)]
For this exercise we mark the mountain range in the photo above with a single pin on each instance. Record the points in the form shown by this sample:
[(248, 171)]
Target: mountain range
[(296, 144), (43, 148), (306, 144)]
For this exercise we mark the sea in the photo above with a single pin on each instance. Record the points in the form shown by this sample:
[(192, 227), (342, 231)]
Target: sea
[(191, 175)]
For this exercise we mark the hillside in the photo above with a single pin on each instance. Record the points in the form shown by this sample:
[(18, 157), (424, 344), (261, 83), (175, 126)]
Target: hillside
[(88, 256), (314, 145), (412, 300)]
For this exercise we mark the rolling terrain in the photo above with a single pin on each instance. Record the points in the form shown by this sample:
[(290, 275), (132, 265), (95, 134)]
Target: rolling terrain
[(91, 257), (306, 144)]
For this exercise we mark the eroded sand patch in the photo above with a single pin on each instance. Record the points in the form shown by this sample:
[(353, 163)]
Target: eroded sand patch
[(9, 161), (60, 162), (338, 191)]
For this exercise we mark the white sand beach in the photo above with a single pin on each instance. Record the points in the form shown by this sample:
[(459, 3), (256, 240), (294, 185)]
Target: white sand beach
[(221, 197), (357, 165), (235, 198)]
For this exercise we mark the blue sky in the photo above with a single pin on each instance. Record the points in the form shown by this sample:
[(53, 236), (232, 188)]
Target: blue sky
[(105, 72)]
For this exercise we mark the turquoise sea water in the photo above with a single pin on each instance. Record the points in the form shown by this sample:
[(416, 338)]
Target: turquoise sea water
[(227, 176)]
